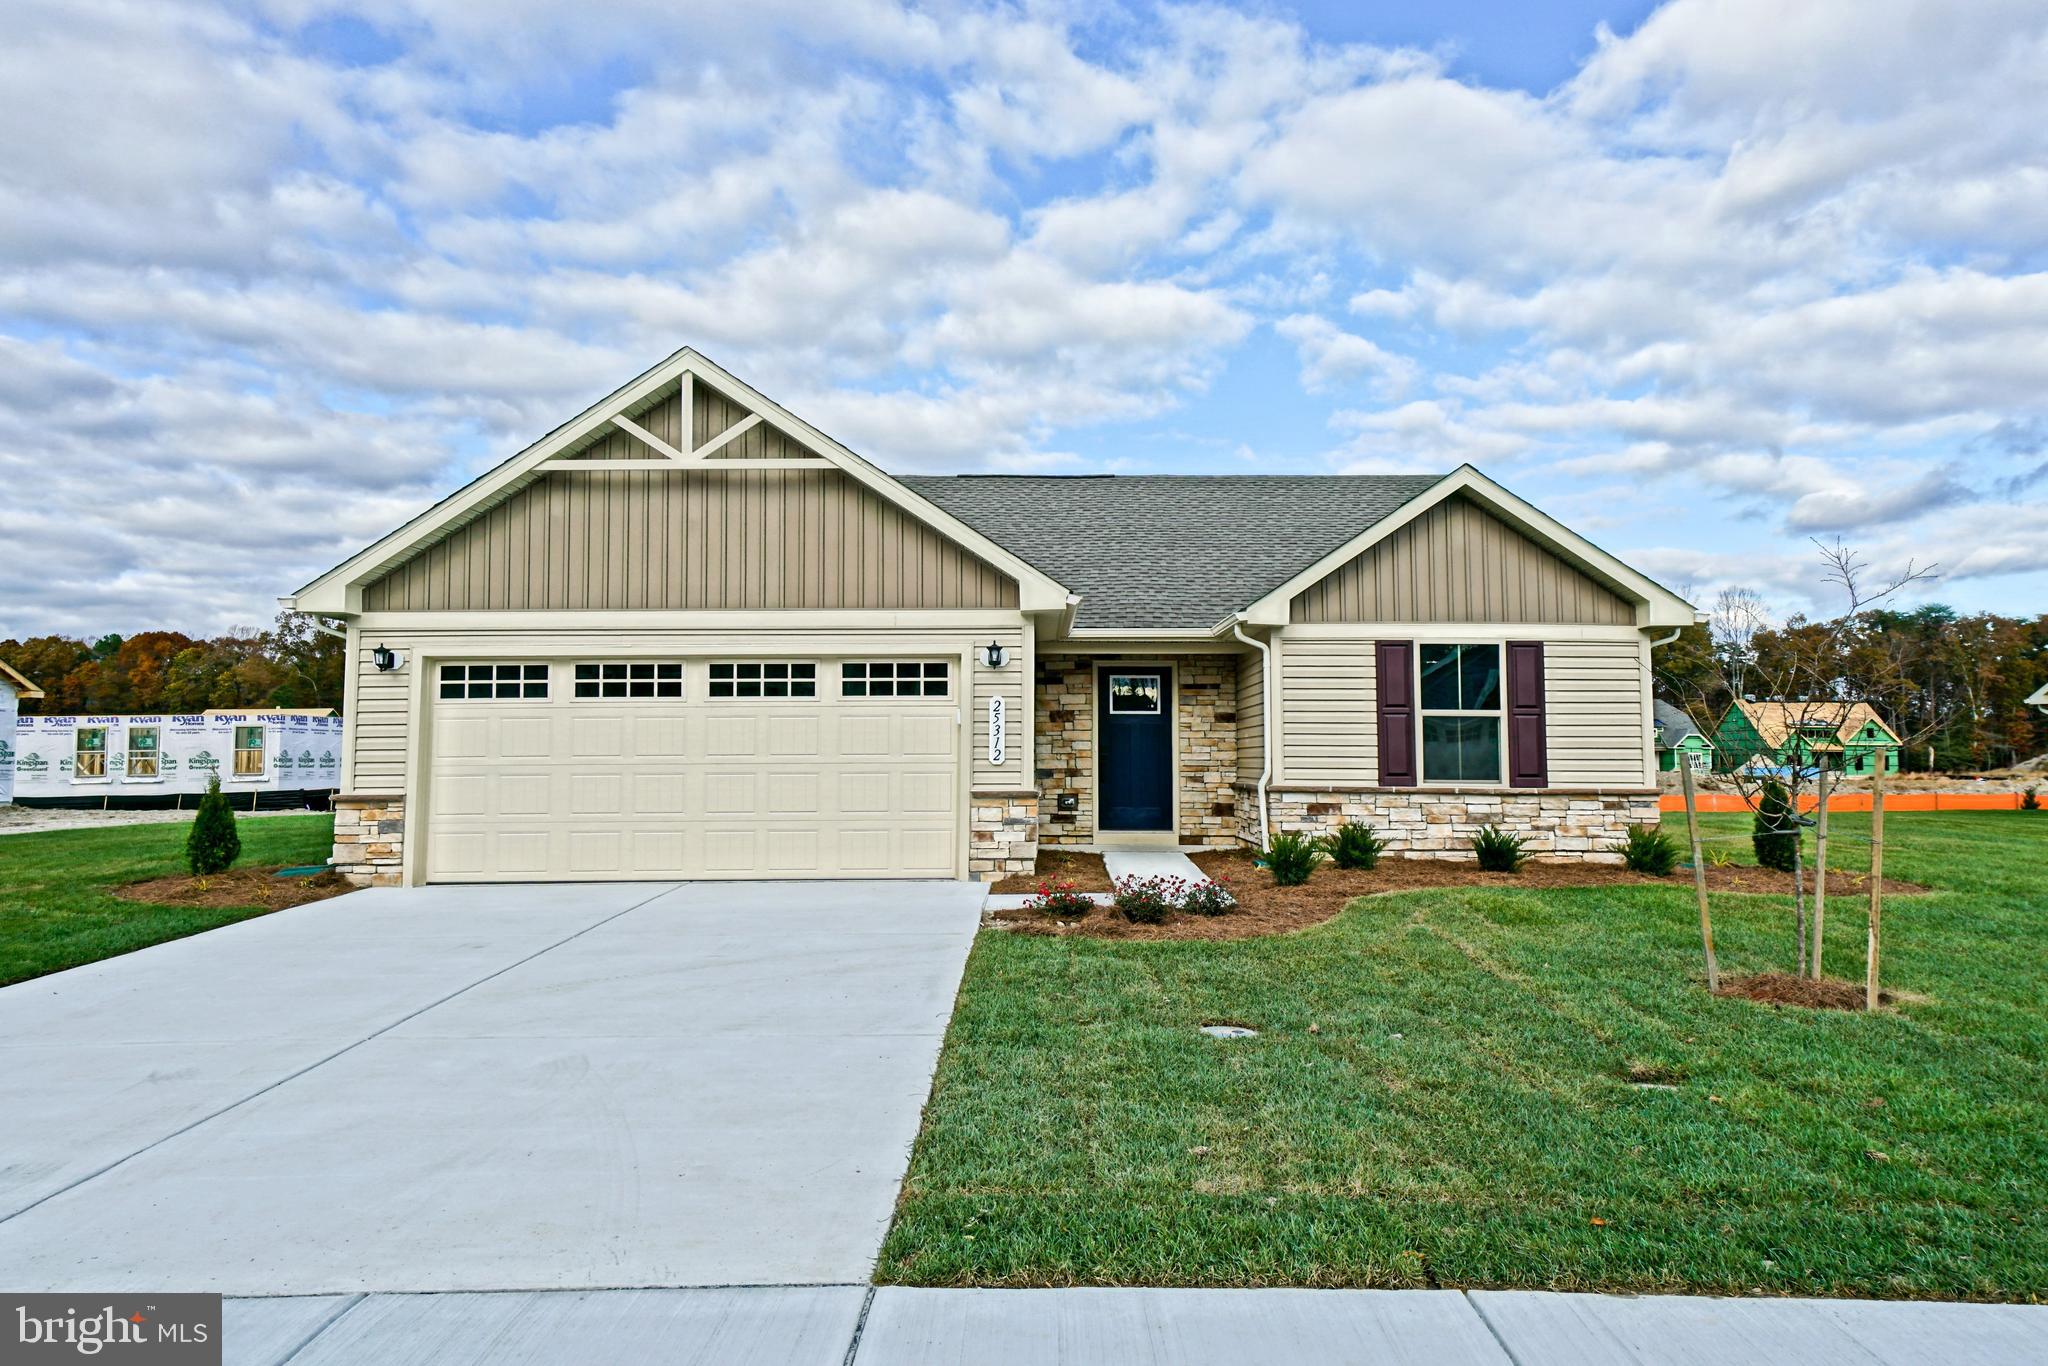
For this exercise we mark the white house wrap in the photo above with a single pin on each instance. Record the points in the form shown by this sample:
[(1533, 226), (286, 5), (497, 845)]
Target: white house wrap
[(138, 757)]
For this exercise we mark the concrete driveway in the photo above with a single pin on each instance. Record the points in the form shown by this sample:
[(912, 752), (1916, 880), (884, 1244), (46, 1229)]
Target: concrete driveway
[(472, 1088)]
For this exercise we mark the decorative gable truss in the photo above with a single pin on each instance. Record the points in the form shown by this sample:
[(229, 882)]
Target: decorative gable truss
[(685, 415)]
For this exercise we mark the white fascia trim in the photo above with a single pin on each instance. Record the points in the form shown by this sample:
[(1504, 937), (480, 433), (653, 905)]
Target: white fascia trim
[(1658, 606), (339, 590)]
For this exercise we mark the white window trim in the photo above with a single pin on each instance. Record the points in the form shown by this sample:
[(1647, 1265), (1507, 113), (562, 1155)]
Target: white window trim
[(1158, 707), (128, 755), (681, 680), (262, 774), (106, 774), (1500, 714), (816, 680), (894, 660)]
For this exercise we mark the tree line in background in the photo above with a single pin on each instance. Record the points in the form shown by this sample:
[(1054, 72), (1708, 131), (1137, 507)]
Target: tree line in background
[(290, 665), (1952, 684)]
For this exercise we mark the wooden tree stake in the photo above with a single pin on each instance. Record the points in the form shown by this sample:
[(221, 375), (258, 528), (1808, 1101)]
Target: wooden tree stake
[(1876, 884), (1699, 872), (1820, 872)]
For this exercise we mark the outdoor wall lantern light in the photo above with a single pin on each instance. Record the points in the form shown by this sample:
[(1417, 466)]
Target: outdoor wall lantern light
[(995, 654), (385, 658)]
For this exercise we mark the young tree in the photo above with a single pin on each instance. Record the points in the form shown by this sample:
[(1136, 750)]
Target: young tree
[(213, 844)]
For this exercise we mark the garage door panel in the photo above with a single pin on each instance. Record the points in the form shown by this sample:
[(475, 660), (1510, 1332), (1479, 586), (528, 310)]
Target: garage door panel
[(694, 787)]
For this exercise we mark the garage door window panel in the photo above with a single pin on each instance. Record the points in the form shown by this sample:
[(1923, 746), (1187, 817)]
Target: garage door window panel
[(494, 682), (763, 679), (895, 678), (614, 679)]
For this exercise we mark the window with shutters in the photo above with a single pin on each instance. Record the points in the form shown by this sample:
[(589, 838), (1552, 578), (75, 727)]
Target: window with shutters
[(1458, 702)]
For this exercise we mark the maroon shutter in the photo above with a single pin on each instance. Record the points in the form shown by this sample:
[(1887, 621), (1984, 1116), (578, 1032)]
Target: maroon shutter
[(1394, 662), (1528, 756)]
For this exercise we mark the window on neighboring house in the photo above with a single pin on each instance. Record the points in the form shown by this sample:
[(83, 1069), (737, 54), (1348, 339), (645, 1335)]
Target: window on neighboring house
[(142, 752), (1699, 759), (89, 752), (500, 681), (764, 680), (629, 679), (1459, 696), (248, 751), (893, 678)]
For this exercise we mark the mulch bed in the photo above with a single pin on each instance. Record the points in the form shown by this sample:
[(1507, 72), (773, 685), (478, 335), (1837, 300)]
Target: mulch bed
[(1084, 870), (1266, 909), (236, 887), (1785, 989)]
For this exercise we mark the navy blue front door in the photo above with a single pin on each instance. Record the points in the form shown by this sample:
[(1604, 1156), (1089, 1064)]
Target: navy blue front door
[(1135, 720)]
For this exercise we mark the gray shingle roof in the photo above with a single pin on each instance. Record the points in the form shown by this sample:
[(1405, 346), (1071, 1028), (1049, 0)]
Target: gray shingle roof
[(1673, 724), (1169, 551)]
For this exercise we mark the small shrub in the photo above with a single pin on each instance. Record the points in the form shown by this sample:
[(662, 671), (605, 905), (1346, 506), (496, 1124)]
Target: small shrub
[(1147, 900), (1648, 850), (2032, 800), (1291, 857), (1354, 846), (1209, 898), (213, 844), (1059, 901), (1498, 851), (1775, 834)]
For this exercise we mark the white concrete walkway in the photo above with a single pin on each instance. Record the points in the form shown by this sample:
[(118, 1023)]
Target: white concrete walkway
[(849, 1326), (476, 1088)]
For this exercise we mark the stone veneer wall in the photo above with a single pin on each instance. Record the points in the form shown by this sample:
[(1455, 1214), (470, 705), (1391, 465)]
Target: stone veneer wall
[(369, 839), (1205, 691), (1558, 827), (1002, 834)]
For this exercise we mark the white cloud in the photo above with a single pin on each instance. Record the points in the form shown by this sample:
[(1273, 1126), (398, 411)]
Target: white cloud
[(1332, 358)]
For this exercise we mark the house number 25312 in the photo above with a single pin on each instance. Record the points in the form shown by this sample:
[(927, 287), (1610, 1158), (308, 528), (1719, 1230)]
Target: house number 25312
[(997, 740)]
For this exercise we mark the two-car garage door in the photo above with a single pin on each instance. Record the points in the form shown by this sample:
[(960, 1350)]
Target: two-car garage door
[(607, 769)]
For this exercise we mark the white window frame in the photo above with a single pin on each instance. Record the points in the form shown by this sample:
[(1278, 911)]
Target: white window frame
[(1158, 707), (522, 681), (761, 680), (235, 773), (156, 753), (666, 680), (104, 775), (922, 679), (1499, 714)]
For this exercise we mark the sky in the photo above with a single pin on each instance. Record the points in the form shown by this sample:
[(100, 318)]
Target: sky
[(1706, 280)]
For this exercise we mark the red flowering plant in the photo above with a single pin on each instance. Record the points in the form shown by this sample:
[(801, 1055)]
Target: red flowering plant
[(1211, 897), (1059, 901)]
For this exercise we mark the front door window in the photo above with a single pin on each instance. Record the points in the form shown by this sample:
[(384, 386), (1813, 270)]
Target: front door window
[(1135, 783)]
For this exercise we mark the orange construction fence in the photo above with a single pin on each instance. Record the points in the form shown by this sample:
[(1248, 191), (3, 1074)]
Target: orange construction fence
[(1860, 801)]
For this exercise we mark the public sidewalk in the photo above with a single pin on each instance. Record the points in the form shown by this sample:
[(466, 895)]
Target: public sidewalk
[(851, 1325)]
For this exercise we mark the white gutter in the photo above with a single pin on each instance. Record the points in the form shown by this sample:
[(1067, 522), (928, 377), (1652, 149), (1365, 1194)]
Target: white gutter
[(1666, 640), (1271, 700)]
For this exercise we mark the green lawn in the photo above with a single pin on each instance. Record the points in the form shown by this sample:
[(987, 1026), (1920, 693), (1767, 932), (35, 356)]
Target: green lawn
[(1461, 1116), (55, 911)]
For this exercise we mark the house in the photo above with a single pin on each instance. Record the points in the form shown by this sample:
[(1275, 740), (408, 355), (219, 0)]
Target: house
[(1848, 737), (1679, 740), (687, 634), (280, 757), (13, 687)]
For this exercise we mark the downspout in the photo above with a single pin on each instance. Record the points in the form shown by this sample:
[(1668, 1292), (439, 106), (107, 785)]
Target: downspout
[(1650, 704), (1271, 700)]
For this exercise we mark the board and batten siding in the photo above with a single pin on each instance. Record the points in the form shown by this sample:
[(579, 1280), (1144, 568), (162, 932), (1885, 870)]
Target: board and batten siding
[(693, 540), (1457, 562), (1593, 693), (381, 727)]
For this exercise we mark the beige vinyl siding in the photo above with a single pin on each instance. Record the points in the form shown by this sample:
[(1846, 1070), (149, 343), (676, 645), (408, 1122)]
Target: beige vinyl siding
[(692, 540), (1251, 716), (1457, 562), (1593, 703), (1328, 725), (379, 731), (377, 726)]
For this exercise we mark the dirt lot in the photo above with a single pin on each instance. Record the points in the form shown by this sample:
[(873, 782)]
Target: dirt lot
[(1264, 908)]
